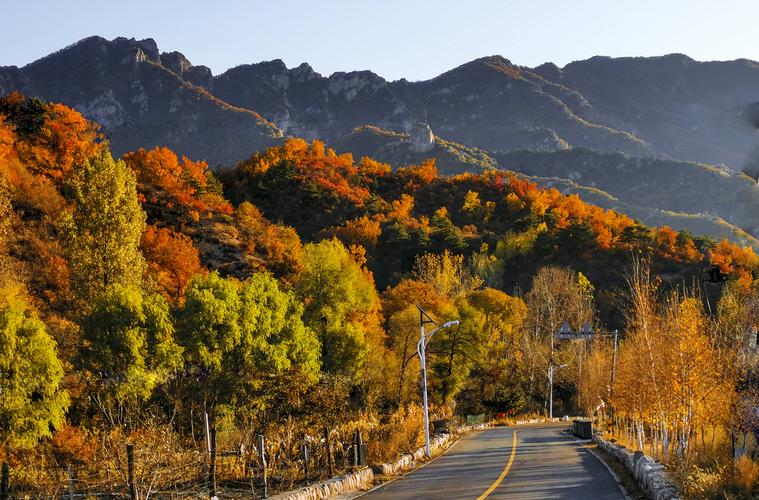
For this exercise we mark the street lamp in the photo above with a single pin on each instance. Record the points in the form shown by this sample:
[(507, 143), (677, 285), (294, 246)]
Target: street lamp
[(551, 369), (421, 349)]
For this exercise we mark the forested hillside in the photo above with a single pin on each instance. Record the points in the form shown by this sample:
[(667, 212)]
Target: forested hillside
[(279, 297)]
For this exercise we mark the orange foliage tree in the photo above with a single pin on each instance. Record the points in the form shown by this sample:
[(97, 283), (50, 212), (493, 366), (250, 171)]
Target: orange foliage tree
[(415, 176), (190, 183), (362, 231), (55, 137), (172, 260), (271, 247), (321, 167), (732, 259)]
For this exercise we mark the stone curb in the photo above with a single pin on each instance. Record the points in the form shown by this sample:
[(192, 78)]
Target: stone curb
[(648, 473), (543, 420), (339, 485)]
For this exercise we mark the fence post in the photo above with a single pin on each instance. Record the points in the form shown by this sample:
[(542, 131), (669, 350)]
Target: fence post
[(5, 483), (130, 471), (361, 449), (355, 450), (71, 482), (305, 461), (330, 464), (262, 461), (212, 465)]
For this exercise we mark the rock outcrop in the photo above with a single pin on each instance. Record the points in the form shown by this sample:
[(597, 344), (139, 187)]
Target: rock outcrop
[(421, 138)]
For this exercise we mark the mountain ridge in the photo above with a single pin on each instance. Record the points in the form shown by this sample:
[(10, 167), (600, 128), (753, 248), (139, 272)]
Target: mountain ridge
[(662, 112)]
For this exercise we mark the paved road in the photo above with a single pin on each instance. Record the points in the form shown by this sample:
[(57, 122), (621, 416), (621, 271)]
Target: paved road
[(547, 464)]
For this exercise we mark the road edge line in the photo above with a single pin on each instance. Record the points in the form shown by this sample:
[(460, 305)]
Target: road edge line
[(425, 464), (614, 475)]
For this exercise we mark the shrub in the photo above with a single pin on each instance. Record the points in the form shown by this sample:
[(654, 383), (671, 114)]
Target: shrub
[(746, 474)]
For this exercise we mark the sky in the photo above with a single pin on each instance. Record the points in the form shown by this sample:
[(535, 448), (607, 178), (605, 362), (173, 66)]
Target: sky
[(396, 39)]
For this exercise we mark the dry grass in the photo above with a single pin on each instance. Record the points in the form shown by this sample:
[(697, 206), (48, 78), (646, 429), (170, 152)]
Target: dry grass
[(746, 475)]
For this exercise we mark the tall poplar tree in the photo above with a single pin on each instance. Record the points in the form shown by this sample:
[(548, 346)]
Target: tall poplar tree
[(102, 232)]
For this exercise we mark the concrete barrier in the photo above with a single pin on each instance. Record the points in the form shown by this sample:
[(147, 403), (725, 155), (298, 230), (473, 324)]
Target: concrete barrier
[(409, 460), (648, 473)]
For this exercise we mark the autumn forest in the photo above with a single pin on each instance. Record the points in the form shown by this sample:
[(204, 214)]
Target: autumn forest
[(147, 294)]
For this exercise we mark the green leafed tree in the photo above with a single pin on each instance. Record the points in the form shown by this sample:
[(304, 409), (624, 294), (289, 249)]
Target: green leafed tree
[(102, 233), (341, 304), (32, 402), (236, 334), (456, 350), (129, 343)]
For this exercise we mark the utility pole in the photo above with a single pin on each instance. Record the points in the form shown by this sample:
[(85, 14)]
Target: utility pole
[(423, 319), (613, 374), (421, 350), (550, 390)]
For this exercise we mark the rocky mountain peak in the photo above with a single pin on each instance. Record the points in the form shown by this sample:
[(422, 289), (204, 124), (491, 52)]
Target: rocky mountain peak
[(304, 73), (176, 62), (421, 137), (490, 68)]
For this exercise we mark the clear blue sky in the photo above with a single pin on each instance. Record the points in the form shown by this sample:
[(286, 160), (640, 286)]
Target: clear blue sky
[(394, 38)]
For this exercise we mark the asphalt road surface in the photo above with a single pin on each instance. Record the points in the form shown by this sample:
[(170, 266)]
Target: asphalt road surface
[(546, 464)]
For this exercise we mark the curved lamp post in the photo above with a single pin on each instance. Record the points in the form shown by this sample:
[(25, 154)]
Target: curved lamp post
[(421, 347)]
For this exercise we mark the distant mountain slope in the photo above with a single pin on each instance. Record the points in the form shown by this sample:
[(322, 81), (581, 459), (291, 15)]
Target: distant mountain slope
[(672, 186), (397, 148), (689, 196), (706, 224), (686, 109), (139, 97)]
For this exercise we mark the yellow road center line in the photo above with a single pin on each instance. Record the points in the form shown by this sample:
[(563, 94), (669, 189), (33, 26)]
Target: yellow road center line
[(505, 470)]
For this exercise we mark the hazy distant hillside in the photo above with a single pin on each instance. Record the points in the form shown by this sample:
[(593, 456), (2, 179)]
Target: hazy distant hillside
[(687, 109), (398, 148), (704, 200), (675, 186)]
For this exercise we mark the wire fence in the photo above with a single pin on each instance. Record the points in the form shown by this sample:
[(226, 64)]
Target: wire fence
[(158, 461), (145, 470)]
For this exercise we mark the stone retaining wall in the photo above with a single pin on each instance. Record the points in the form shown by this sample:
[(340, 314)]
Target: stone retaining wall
[(408, 461), (542, 420), (648, 473), (340, 485)]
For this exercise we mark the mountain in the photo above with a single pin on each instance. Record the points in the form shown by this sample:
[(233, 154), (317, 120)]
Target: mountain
[(686, 109), (488, 103), (144, 98), (645, 132), (669, 106), (398, 148)]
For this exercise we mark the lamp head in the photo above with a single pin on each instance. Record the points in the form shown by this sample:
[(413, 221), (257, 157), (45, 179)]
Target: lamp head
[(451, 323)]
